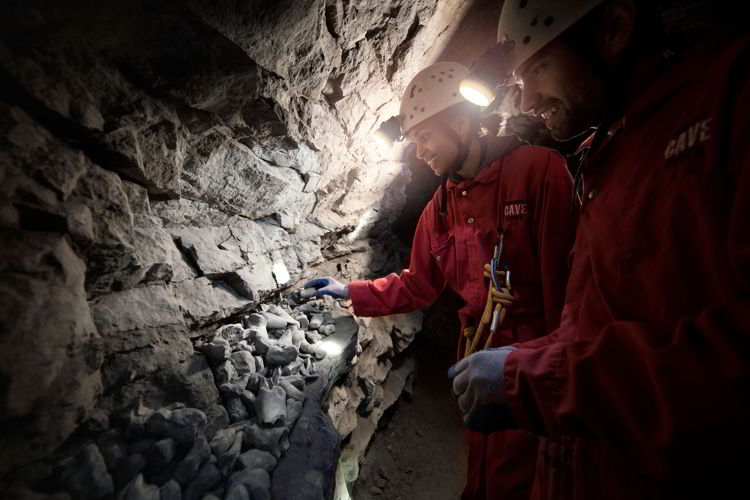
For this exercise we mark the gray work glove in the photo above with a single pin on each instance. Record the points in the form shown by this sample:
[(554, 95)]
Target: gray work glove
[(478, 384)]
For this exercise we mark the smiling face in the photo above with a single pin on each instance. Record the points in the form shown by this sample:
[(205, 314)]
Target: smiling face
[(563, 88), (435, 146)]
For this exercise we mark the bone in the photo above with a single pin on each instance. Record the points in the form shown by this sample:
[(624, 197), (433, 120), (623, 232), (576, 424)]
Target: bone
[(314, 350), (286, 338), (293, 411), (297, 337), (304, 322), (267, 439), (315, 321), (326, 329), (296, 380), (278, 311), (256, 320), (257, 459), (278, 356), (291, 391), (291, 368), (235, 386), (274, 321), (312, 336), (263, 344), (271, 406)]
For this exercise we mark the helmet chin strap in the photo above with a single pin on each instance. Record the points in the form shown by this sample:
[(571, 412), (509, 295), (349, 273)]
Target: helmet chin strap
[(452, 173)]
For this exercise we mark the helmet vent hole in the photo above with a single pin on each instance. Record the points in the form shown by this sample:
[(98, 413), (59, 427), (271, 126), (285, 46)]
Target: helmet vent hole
[(526, 39), (549, 21), (432, 76), (440, 79), (522, 4), (454, 94), (534, 21), (419, 89), (411, 116)]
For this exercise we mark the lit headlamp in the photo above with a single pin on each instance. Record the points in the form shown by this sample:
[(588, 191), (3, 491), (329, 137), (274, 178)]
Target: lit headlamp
[(388, 132), (485, 74)]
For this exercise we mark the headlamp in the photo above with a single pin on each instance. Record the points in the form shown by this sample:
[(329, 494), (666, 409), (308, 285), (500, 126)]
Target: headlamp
[(485, 74), (477, 91), (388, 132)]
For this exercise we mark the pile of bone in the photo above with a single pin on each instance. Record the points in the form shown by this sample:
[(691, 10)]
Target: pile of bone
[(260, 367), (166, 455)]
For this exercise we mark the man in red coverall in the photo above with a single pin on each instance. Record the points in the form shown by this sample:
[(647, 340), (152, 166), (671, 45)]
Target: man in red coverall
[(490, 185), (644, 390)]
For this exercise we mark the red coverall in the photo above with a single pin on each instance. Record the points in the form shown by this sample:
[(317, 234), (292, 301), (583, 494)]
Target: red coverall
[(644, 390), (526, 194)]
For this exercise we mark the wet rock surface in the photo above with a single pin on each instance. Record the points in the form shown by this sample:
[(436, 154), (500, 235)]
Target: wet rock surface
[(162, 176)]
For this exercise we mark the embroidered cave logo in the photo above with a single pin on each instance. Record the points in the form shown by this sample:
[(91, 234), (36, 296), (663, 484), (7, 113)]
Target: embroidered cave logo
[(695, 135), (515, 210)]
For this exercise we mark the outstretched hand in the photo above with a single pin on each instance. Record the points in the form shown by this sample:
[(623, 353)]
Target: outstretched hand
[(328, 286)]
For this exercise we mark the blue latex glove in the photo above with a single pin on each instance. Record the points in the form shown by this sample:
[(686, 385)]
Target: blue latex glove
[(478, 383), (329, 286)]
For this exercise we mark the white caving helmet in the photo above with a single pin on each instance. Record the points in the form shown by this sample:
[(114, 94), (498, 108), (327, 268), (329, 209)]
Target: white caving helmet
[(433, 90), (526, 26)]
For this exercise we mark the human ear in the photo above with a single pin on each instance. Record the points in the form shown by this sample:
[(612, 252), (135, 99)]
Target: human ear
[(461, 125), (618, 26)]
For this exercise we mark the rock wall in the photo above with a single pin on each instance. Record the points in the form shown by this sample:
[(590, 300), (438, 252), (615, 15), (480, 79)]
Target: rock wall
[(166, 166)]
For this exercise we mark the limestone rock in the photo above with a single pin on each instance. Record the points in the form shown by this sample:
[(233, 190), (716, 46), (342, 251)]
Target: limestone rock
[(216, 352), (43, 292), (231, 333), (235, 408), (243, 362)]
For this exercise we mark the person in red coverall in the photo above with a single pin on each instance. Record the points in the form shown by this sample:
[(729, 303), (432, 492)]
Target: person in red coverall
[(490, 185), (644, 390)]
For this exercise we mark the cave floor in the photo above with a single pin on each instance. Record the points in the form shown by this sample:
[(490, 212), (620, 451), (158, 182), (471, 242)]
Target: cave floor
[(421, 452)]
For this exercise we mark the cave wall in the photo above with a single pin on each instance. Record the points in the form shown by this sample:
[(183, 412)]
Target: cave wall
[(166, 166)]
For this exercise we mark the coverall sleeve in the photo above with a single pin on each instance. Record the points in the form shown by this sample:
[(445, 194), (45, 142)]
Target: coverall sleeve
[(555, 223), (416, 287), (665, 401)]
